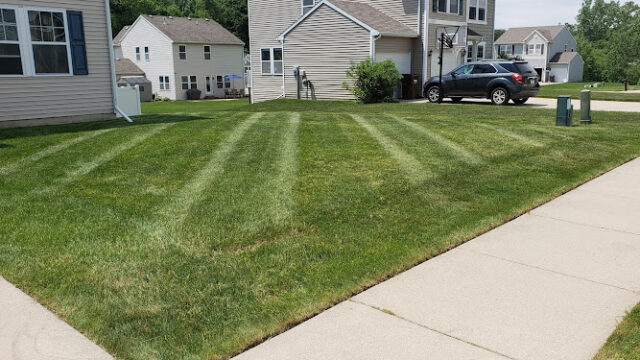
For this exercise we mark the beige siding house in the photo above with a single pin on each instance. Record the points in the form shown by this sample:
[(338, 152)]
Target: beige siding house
[(178, 54), (321, 38), (56, 63)]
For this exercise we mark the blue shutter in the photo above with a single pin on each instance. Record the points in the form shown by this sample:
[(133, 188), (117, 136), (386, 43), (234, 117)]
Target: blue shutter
[(78, 45)]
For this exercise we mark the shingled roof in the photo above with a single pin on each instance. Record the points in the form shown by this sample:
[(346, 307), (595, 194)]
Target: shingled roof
[(563, 57), (126, 67), (370, 16), (118, 38), (519, 35), (191, 30)]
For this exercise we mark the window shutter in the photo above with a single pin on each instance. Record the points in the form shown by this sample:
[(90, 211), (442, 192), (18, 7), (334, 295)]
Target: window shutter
[(542, 50), (526, 48), (460, 7), (435, 5), (77, 41)]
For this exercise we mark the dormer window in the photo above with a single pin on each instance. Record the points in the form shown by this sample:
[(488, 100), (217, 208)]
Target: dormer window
[(307, 5), (478, 10)]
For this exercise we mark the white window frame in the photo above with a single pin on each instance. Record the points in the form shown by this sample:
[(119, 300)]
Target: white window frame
[(306, 8), (181, 52), (477, 12), (138, 56), (207, 52), (457, 39), (147, 55), (189, 82), (508, 53), (20, 43), (272, 61), (534, 49), (448, 11), (219, 82), (67, 43), (484, 50), (165, 82)]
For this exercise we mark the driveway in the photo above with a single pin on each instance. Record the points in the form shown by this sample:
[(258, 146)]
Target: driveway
[(544, 103)]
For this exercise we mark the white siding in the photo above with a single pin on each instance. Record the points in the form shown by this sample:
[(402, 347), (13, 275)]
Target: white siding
[(160, 63), (563, 37), (64, 96), (325, 45)]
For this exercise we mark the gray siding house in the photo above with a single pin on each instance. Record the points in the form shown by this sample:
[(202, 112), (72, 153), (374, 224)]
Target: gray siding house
[(551, 50), (324, 37), (56, 64)]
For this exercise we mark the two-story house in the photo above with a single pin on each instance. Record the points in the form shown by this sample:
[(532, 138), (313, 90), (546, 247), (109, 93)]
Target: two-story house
[(322, 38), (178, 54), (551, 50)]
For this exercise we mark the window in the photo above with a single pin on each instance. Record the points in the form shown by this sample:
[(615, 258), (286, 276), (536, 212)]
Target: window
[(469, 52), (219, 82), (271, 60), (566, 47), (137, 54), (164, 83), (506, 50), (463, 70), (189, 82), (227, 83), (478, 10), (448, 6), (484, 69), (182, 52), (457, 35), (141, 88), (10, 54), (480, 50), (49, 42), (307, 5), (207, 52), (146, 53), (535, 49)]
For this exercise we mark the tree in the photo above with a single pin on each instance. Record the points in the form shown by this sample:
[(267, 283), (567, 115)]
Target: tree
[(498, 33)]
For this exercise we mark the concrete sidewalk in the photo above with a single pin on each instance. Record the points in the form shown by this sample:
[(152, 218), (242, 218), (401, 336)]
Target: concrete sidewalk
[(28, 331), (552, 284), (544, 103)]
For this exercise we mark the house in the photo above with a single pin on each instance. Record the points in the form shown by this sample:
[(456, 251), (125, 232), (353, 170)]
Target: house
[(127, 68), (551, 50), (178, 54), (320, 39), (56, 64)]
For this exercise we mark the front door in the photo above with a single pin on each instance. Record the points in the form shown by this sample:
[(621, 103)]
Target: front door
[(209, 84)]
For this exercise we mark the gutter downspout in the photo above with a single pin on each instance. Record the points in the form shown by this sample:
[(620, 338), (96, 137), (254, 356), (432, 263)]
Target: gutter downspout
[(284, 83), (114, 85), (425, 47)]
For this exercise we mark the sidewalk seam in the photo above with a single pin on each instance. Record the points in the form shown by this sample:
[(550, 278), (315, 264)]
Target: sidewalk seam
[(431, 329), (582, 224)]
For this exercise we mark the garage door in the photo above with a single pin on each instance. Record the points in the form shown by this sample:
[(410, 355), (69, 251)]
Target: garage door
[(402, 60)]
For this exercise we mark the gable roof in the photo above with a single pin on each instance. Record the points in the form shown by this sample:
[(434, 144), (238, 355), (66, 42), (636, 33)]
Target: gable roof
[(121, 34), (519, 35), (364, 15), (127, 67), (563, 57), (191, 30)]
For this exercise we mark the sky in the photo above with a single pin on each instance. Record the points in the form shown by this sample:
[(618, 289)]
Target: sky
[(517, 13)]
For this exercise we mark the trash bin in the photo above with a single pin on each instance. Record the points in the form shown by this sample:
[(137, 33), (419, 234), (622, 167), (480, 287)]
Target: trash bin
[(564, 115), (193, 94)]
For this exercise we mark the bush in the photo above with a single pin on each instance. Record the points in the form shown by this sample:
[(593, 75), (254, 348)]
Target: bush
[(373, 82)]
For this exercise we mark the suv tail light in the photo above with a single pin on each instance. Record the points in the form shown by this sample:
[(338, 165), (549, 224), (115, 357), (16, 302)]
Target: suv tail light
[(518, 78)]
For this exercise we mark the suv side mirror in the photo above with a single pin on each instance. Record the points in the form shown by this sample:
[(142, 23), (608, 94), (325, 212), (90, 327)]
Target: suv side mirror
[(453, 75)]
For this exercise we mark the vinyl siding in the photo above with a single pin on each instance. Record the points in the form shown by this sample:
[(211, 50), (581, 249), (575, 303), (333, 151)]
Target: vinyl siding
[(160, 63), (486, 30), (267, 20), (23, 98), (325, 45)]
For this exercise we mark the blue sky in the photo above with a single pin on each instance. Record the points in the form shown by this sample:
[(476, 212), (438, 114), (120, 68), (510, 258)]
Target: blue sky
[(514, 13)]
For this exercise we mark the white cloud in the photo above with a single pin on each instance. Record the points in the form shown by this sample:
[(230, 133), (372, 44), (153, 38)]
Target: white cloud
[(517, 13)]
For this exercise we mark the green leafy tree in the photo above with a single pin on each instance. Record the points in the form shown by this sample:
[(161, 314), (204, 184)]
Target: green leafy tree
[(373, 82)]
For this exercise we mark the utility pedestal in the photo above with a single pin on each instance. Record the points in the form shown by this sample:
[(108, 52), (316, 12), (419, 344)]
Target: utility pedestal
[(585, 107), (564, 115)]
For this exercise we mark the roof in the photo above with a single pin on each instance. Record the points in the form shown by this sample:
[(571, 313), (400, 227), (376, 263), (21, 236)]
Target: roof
[(365, 14), (192, 30), (563, 57), (135, 80), (118, 38), (127, 67), (472, 33), (519, 35)]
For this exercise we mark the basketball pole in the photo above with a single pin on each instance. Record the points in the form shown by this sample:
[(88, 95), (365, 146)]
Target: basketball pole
[(441, 62)]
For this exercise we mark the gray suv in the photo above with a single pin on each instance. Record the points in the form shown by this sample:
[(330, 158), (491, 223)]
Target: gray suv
[(498, 80)]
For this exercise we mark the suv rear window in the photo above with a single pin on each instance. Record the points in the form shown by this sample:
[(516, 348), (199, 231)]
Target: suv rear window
[(509, 67), (518, 68)]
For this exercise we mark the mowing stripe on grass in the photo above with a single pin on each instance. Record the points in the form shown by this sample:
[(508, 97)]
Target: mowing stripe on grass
[(49, 151), (282, 185), (523, 139), (413, 169), (462, 153), (177, 210)]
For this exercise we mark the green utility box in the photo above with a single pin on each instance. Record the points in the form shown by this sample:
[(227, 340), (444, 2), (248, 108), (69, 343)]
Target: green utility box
[(564, 116), (585, 107)]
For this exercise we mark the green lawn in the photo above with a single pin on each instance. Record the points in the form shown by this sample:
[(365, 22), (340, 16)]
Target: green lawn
[(624, 344), (611, 92), (194, 235), (184, 106)]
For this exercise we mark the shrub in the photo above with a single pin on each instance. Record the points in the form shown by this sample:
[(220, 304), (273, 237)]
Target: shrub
[(373, 82)]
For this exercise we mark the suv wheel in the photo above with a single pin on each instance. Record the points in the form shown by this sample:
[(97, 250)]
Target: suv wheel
[(500, 96), (456, 99), (520, 101), (433, 93)]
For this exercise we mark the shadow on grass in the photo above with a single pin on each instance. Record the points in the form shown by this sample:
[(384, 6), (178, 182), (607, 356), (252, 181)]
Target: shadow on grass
[(93, 126)]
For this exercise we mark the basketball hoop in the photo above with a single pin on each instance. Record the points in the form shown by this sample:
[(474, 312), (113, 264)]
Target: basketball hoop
[(445, 39)]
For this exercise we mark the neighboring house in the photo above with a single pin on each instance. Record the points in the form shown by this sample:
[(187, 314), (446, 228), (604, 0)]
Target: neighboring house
[(178, 54), (323, 38), (551, 50), (126, 68), (55, 64), (129, 74)]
